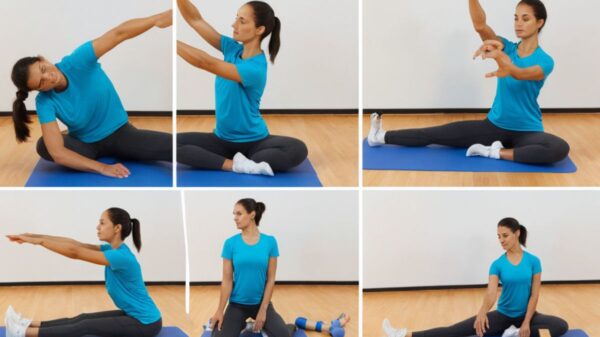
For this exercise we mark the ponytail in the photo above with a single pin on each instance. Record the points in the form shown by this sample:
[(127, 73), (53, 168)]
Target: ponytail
[(265, 16), (19, 76), (251, 205), (119, 216), (514, 226)]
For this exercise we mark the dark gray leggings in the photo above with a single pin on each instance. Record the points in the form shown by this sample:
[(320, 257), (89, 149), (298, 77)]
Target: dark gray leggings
[(234, 321), (128, 143), (529, 147), (499, 323), (207, 151), (102, 324)]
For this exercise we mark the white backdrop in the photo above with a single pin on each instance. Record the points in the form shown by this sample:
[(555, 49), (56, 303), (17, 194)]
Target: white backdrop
[(317, 65), (316, 231), (439, 238), (75, 214), (417, 54), (140, 69)]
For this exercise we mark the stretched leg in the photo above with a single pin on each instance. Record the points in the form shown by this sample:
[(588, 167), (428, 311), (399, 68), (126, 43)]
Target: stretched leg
[(89, 150), (556, 325), (203, 151), (128, 142), (280, 152), (540, 148), (275, 325), (81, 317), (234, 321), (498, 323)]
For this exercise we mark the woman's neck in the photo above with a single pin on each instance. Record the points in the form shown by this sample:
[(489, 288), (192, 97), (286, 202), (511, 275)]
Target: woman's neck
[(250, 231), (517, 250), (116, 243), (251, 48), (63, 83), (528, 46)]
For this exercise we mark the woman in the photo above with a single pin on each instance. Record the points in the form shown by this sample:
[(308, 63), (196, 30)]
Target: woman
[(249, 266), (241, 141), (513, 126), (520, 273), (138, 315), (78, 92)]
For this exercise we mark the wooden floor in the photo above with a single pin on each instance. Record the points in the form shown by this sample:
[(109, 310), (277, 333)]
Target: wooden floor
[(419, 310), (581, 131), (314, 302), (332, 141), (49, 302), (18, 160)]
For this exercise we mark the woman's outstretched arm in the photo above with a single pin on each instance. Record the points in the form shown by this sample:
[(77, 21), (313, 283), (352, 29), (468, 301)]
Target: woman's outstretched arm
[(192, 16), (130, 29), (65, 239), (64, 248), (479, 21), (200, 59)]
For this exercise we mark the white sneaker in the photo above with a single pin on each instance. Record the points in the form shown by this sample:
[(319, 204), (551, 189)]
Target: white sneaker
[(492, 151), (241, 164), (376, 133), (512, 331), (14, 329), (390, 331), (15, 317)]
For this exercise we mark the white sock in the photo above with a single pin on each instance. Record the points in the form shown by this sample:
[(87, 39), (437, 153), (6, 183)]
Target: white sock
[(241, 164), (376, 133), (512, 331), (390, 331), (492, 151)]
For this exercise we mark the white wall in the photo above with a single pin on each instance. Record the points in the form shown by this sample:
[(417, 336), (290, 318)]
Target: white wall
[(434, 238), (417, 54), (316, 231), (75, 214), (317, 65), (140, 69)]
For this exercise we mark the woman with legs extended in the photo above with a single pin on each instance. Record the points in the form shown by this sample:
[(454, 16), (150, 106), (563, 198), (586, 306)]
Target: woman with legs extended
[(513, 126), (520, 273), (78, 92), (137, 316), (241, 141)]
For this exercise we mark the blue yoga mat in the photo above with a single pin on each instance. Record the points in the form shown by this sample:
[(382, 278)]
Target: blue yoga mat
[(297, 333), (143, 174), (442, 158), (570, 333), (169, 331), (303, 175)]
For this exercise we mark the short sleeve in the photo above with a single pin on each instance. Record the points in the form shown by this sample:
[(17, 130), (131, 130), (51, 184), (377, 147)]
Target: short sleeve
[(547, 65), (45, 109), (227, 252), (537, 266), (105, 247), (229, 45), (252, 74), (495, 269), (509, 46), (274, 250), (116, 259), (82, 57)]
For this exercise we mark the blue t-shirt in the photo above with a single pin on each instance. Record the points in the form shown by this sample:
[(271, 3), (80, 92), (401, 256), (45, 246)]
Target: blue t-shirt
[(516, 283), (237, 104), (125, 284), (515, 106), (250, 266), (90, 105)]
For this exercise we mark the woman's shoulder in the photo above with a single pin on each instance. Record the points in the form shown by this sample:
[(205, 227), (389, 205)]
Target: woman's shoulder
[(530, 256)]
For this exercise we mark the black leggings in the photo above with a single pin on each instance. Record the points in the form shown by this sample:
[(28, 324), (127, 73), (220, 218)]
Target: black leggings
[(102, 324), (128, 143), (499, 323), (234, 321), (529, 147), (207, 151)]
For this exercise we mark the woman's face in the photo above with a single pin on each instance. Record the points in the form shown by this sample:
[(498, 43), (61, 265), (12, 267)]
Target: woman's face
[(507, 238), (242, 218), (106, 230), (244, 26), (43, 76), (526, 25)]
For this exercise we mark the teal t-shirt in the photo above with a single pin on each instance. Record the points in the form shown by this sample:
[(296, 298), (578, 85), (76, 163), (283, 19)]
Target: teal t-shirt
[(250, 266), (515, 105), (237, 104), (125, 285), (516, 283), (90, 106)]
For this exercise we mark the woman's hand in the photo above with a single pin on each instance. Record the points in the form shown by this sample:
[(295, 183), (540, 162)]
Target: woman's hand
[(481, 324), (115, 170), (164, 19), (216, 321), (524, 330), (24, 238), (492, 49), (259, 322)]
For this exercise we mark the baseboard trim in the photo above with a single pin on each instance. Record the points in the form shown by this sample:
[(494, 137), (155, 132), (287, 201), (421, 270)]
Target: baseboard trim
[(165, 283), (471, 110), (327, 283), (277, 112), (471, 286)]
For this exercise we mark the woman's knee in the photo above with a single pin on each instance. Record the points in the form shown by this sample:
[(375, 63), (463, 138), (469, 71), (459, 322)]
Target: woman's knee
[(560, 328), (298, 151), (42, 150), (559, 150)]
